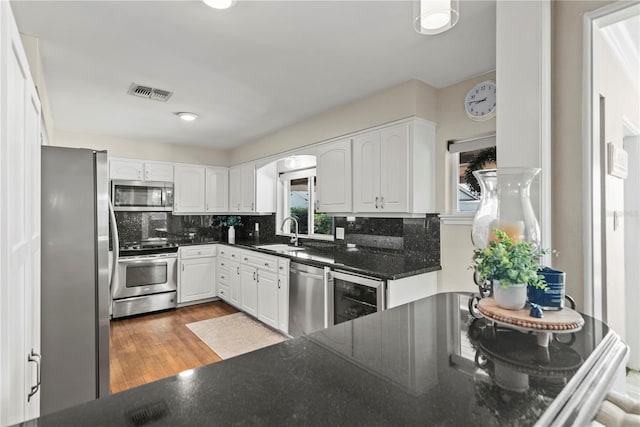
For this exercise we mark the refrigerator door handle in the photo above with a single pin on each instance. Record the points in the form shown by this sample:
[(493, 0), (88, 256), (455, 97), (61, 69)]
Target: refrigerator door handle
[(116, 245), (328, 297)]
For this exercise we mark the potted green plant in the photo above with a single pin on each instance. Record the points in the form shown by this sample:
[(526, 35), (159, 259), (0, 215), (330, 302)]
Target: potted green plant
[(510, 266)]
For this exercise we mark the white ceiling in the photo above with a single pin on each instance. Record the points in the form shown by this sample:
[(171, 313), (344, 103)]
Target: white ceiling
[(247, 71)]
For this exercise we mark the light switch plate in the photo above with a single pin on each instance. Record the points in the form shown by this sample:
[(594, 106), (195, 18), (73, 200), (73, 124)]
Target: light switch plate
[(340, 233)]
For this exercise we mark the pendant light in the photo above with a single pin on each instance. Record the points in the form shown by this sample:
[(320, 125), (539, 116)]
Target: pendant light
[(435, 16), (219, 4)]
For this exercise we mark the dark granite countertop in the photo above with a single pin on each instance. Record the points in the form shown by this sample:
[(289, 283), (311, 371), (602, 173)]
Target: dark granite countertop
[(389, 265), (424, 363)]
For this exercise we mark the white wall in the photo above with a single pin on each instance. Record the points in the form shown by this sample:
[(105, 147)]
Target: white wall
[(412, 98), (143, 149), (453, 123), (567, 142), (621, 99)]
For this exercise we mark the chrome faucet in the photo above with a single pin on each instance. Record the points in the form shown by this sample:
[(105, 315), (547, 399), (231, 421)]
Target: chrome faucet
[(294, 239)]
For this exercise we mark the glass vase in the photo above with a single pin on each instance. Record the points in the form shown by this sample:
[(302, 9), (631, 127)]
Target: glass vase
[(505, 204)]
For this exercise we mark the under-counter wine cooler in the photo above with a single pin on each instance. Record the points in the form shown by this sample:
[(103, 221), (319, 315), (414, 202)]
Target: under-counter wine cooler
[(355, 295)]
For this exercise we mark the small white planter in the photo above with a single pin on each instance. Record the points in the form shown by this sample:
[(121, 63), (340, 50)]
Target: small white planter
[(513, 297)]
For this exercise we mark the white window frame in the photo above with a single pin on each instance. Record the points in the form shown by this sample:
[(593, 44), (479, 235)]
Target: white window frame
[(283, 207), (455, 216)]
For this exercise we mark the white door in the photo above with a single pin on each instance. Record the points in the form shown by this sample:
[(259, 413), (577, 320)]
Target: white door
[(333, 171), (249, 289), (394, 169), (158, 172), (217, 189), (197, 279), (189, 189), (268, 298), (235, 188), (366, 172), (126, 169), (248, 187), (19, 227)]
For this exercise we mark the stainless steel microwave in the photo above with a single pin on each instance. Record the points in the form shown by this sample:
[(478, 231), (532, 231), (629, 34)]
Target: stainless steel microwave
[(141, 195)]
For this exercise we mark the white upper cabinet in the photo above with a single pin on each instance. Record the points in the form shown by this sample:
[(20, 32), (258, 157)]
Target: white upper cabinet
[(126, 169), (394, 169), (252, 188), (189, 195), (333, 171), (217, 189), (158, 172), (138, 170)]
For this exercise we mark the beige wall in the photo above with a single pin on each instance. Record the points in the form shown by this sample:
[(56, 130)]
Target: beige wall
[(32, 52), (621, 99), (143, 149), (453, 123), (412, 98), (567, 140)]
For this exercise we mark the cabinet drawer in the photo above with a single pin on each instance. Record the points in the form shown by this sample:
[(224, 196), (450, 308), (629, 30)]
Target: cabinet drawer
[(259, 261), (224, 276), (283, 267), (200, 251), (223, 291), (229, 253)]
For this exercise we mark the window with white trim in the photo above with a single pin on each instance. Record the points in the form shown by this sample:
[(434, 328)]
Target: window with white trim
[(297, 199), (468, 155)]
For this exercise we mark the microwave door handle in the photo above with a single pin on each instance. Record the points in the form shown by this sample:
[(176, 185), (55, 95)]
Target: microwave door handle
[(116, 245)]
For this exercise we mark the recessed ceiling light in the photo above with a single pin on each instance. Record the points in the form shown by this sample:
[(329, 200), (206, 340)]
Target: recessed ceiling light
[(219, 4), (187, 117)]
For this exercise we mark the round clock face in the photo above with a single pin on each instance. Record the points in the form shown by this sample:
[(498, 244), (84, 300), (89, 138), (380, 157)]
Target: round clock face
[(480, 102)]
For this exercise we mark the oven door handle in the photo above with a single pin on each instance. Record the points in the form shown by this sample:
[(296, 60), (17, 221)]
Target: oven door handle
[(147, 260)]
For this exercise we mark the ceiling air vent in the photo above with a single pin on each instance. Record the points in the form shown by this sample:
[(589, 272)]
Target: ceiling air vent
[(149, 92)]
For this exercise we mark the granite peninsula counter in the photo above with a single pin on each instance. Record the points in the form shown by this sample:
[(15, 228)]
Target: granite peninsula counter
[(424, 363)]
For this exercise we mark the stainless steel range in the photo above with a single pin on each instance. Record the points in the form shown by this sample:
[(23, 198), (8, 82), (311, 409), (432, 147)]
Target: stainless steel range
[(146, 277)]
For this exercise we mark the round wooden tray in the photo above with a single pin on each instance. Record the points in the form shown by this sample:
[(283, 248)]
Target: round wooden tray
[(559, 322)]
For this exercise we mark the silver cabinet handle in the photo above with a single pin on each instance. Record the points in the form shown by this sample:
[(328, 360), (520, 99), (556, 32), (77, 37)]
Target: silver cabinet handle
[(222, 276), (382, 202), (207, 206), (376, 202), (254, 275), (139, 174), (278, 283), (238, 270), (35, 358), (266, 264), (182, 266), (246, 259), (252, 206), (258, 278), (222, 264), (146, 174), (232, 255)]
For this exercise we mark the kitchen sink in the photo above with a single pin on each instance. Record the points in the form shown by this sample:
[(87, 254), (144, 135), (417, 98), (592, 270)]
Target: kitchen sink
[(280, 247)]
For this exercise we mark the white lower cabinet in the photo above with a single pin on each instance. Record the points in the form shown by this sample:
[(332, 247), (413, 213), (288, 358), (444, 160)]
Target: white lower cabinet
[(197, 273), (256, 284), (283, 295), (249, 289)]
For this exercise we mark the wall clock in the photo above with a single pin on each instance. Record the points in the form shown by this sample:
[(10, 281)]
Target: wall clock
[(480, 102)]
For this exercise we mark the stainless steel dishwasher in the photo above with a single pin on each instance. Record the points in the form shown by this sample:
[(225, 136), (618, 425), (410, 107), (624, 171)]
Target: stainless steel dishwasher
[(309, 299)]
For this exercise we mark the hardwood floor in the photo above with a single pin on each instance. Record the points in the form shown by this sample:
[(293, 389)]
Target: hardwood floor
[(155, 346)]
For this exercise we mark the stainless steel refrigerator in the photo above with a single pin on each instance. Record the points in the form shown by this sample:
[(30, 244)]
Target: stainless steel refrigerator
[(75, 277)]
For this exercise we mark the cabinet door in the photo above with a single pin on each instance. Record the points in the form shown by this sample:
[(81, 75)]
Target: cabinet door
[(234, 284), (189, 189), (217, 189), (249, 289), (126, 169), (283, 295), (268, 298), (366, 172), (197, 279), (158, 172), (394, 169), (334, 177), (247, 190), (235, 188)]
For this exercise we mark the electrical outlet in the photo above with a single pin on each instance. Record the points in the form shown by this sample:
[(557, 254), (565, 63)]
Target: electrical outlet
[(340, 233)]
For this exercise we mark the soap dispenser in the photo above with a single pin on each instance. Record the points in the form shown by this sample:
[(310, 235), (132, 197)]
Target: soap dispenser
[(232, 235)]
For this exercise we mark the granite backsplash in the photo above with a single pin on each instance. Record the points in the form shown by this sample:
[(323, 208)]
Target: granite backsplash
[(417, 238)]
